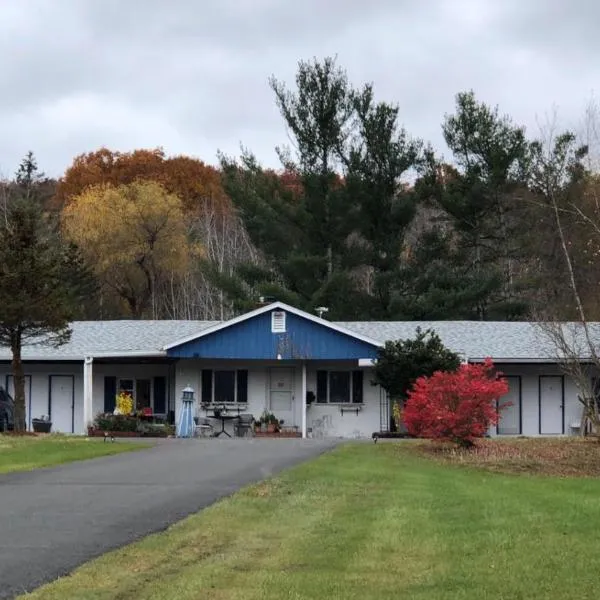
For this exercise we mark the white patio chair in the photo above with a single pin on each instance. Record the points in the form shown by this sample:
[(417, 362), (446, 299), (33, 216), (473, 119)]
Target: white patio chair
[(203, 427)]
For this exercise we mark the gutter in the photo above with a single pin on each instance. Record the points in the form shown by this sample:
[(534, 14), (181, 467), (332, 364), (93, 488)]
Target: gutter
[(82, 357)]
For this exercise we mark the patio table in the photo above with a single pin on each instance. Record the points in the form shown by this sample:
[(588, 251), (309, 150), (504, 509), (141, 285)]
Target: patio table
[(224, 418)]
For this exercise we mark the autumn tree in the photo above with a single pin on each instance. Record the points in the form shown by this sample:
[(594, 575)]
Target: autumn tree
[(43, 281), (135, 236), (197, 185), (457, 407)]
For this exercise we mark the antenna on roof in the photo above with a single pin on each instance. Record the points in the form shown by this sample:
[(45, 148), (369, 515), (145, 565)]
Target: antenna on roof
[(321, 310)]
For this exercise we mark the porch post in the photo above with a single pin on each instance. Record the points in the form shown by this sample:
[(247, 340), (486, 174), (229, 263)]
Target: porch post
[(303, 400), (88, 386)]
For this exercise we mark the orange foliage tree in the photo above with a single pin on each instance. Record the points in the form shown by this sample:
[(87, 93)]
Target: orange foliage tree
[(197, 184)]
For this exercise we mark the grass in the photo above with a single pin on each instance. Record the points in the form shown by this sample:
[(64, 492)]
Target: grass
[(367, 522), (24, 453)]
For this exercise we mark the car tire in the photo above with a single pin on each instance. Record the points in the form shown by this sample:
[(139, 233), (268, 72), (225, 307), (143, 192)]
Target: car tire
[(3, 423)]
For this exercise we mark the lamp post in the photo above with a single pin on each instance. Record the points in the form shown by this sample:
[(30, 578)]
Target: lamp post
[(185, 427)]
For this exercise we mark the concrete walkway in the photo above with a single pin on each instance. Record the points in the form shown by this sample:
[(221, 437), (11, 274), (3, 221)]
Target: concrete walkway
[(52, 520)]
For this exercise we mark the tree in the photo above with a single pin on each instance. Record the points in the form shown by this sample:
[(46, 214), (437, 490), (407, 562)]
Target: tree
[(43, 281), (134, 235), (400, 363), (379, 160), (196, 184), (456, 407), (561, 183), (483, 197), (318, 115)]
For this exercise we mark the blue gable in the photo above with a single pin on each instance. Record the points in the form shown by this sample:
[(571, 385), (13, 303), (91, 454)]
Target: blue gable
[(253, 339)]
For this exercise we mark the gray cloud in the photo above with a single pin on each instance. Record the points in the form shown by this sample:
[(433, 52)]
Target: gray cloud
[(192, 76)]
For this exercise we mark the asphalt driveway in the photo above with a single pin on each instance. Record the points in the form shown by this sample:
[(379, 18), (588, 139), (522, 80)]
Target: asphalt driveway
[(52, 520)]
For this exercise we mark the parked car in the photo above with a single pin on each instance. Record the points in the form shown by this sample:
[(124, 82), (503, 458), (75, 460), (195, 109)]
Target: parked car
[(7, 411)]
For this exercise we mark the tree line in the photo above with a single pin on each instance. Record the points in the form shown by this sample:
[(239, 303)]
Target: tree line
[(362, 217)]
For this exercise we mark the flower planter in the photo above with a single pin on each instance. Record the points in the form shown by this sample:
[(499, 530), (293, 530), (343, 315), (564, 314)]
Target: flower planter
[(40, 426)]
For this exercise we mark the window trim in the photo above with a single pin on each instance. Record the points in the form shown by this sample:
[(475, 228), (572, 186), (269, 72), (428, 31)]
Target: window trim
[(235, 402), (134, 394), (351, 401)]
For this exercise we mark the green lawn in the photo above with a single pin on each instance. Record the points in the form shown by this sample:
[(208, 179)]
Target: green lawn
[(368, 522), (26, 453)]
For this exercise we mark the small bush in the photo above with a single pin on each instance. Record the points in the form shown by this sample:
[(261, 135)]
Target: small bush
[(110, 422), (456, 407)]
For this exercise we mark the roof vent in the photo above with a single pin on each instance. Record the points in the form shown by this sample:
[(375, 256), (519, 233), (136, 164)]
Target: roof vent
[(278, 321)]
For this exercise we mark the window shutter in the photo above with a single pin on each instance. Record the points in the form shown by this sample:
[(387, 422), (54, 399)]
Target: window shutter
[(160, 395), (110, 394), (357, 387), (242, 386), (321, 386), (206, 386)]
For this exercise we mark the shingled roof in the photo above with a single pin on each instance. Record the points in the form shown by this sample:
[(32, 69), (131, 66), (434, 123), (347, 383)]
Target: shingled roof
[(502, 341)]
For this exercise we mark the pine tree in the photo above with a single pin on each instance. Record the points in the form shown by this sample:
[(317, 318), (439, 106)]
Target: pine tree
[(42, 280)]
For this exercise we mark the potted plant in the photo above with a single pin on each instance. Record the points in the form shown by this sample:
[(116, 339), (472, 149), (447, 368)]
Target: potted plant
[(273, 423), (257, 425), (42, 425), (269, 422)]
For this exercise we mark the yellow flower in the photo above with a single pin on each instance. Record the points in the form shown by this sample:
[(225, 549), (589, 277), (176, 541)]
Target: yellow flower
[(124, 403)]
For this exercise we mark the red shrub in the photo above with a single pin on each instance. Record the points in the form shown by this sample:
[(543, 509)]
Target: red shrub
[(458, 407)]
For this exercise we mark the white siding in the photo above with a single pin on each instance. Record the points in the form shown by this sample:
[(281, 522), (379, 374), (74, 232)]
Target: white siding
[(40, 383), (530, 390), (123, 371), (323, 420)]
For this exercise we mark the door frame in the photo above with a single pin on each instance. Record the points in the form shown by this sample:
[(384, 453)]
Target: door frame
[(72, 377), (519, 377), (292, 390), (10, 376), (562, 403)]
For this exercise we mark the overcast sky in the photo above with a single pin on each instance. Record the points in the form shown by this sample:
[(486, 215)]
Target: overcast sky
[(191, 75)]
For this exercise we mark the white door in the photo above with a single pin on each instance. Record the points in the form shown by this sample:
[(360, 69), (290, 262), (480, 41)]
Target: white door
[(10, 388), (61, 403), (510, 417), (551, 404), (281, 394)]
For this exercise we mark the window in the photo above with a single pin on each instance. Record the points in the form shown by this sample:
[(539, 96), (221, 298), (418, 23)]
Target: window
[(224, 389), (146, 393), (277, 321), (224, 386), (340, 387)]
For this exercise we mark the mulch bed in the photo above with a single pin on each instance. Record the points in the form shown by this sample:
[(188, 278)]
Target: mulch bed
[(559, 457)]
